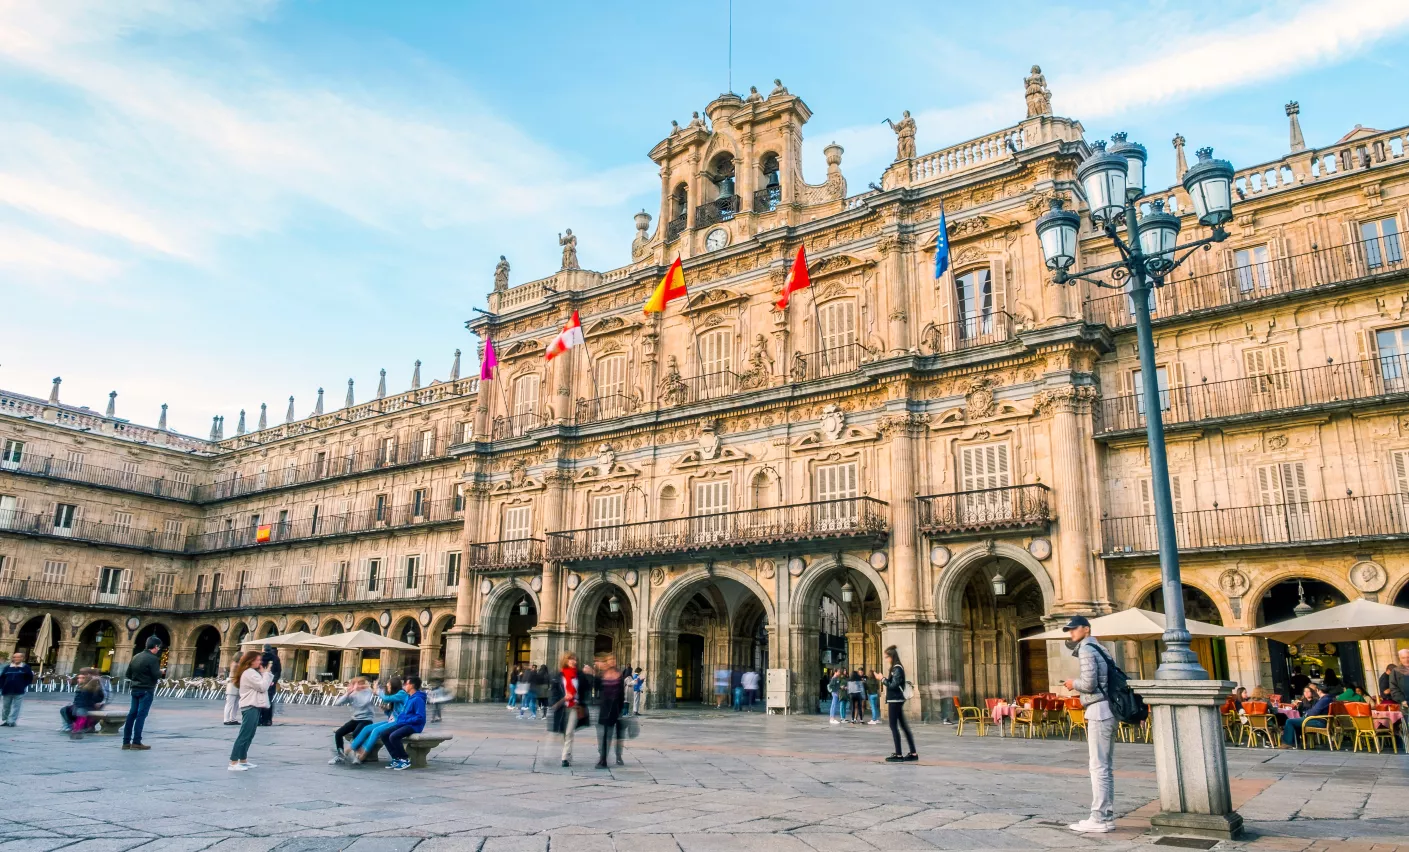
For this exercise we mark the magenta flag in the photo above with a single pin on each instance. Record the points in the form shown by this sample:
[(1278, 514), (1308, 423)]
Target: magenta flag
[(489, 362)]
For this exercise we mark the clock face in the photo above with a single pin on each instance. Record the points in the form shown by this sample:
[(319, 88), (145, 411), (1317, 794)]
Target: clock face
[(716, 239)]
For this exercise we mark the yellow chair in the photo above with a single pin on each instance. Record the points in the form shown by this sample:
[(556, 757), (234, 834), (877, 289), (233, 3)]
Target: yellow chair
[(1076, 717), (1260, 724), (1325, 731), (1233, 728), (1028, 717), (971, 714)]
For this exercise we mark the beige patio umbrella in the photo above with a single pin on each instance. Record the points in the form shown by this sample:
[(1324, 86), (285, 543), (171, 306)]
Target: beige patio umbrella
[(1138, 625), (297, 639), (361, 640), (43, 641), (1357, 621)]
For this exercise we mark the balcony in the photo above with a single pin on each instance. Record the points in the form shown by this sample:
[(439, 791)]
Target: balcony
[(966, 333), (718, 210), (1339, 385), (1346, 520), (854, 518), (1355, 263), (766, 200), (41, 591), (506, 556), (516, 426), (679, 390), (29, 523), (825, 363), (389, 588), (51, 467), (426, 513), (674, 228), (1011, 509), (399, 455), (604, 408)]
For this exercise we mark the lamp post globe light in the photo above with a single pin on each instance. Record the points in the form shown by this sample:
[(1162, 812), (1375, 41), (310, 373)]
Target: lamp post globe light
[(1190, 762)]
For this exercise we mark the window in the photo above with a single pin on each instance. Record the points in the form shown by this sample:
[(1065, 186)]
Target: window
[(129, 472), (711, 499), (418, 503), (836, 490), (55, 572), (1381, 241), (525, 394), (305, 574), (283, 521), (200, 587), (122, 521), (1250, 267), (109, 584), (386, 452), (164, 584), (1147, 513), (717, 364), (290, 472), (182, 482), (254, 521), (320, 465), (64, 516), (667, 504), (983, 472), (837, 325), (973, 303), (458, 504), (276, 576), (381, 507), (607, 515), (517, 520), (9, 511), (413, 572), (1399, 465), (1267, 368), (1162, 378), (611, 385), (171, 534), (1284, 502), (427, 443), (12, 454), (313, 522), (75, 462), (466, 431), (452, 569), (7, 568), (1393, 350), (374, 572)]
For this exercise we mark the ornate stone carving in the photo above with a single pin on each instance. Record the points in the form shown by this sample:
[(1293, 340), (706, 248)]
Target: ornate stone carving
[(569, 244), (485, 587), (1038, 96), (760, 365), (833, 422), (574, 581), (631, 577), (1066, 398), (909, 422), (978, 399), (796, 566), (1277, 442), (879, 560), (1234, 583), (657, 576), (709, 440), (904, 136), (1040, 548), (536, 583), (940, 556), (673, 390), (798, 370), (1369, 577), (606, 459), (501, 275), (767, 569)]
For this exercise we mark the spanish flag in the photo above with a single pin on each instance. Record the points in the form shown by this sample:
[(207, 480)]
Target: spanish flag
[(671, 287), (262, 532), (797, 279)]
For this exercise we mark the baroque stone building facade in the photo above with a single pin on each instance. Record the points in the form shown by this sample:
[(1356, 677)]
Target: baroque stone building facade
[(946, 464)]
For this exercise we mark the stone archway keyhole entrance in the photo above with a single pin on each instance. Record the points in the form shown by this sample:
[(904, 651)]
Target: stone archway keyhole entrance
[(1289, 665), (1001, 602), (207, 661), (707, 633), (96, 646)]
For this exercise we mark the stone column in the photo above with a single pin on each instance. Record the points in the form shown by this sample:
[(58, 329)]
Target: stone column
[(1071, 405), (1191, 767), (459, 638), (855, 650), (351, 665), (317, 661), (905, 567), (122, 657), (554, 509), (63, 659), (7, 645), (895, 249), (660, 669)]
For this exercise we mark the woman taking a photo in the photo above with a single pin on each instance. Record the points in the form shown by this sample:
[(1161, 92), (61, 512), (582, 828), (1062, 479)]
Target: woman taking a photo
[(254, 684), (894, 684)]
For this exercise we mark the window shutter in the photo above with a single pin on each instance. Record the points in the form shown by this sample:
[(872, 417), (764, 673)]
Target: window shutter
[(1399, 459), (126, 580)]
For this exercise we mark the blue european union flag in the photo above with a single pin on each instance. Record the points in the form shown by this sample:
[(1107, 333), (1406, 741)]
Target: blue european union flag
[(941, 247)]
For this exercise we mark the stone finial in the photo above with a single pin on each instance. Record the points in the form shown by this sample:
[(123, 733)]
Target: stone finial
[(289, 415), (161, 422), (455, 367), (1180, 164), (112, 404), (1298, 142), (54, 391), (347, 403), (240, 427), (381, 386), (416, 376), (263, 416), (215, 428), (220, 428), (318, 406)]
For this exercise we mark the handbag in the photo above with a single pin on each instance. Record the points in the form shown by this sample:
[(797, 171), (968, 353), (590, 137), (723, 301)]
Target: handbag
[(908, 691), (633, 727), (583, 717)]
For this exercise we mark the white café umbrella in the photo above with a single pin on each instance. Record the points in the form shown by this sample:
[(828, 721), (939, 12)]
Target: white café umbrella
[(1357, 621), (362, 640), (1138, 625), (43, 641), (297, 639)]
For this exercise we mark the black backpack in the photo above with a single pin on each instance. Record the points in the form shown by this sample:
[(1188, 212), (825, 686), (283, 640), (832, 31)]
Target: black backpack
[(1126, 703)]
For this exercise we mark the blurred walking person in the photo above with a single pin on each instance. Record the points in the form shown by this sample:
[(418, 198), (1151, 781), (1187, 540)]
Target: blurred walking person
[(570, 686), (252, 675), (612, 683), (232, 699), (14, 683)]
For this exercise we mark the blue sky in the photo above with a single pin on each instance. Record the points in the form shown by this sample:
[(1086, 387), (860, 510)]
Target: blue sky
[(218, 203)]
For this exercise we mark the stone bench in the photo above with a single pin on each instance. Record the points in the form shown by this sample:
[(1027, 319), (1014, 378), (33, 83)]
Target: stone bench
[(418, 748), (107, 721)]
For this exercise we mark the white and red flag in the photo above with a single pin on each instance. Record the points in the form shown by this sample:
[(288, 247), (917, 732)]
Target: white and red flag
[(570, 336)]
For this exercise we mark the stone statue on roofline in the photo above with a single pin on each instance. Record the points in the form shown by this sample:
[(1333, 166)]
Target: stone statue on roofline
[(904, 136), (778, 88), (1039, 98), (754, 97), (569, 244), (501, 275)]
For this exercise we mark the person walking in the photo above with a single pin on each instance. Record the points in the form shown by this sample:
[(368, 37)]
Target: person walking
[(522, 687), (411, 720), (835, 686), (14, 683), (638, 688), (254, 678), (361, 698), (1091, 685), (894, 683), (856, 694), (609, 711), (542, 685), (275, 668), (874, 686), (750, 684), (569, 711), (143, 673), (513, 688), (232, 700)]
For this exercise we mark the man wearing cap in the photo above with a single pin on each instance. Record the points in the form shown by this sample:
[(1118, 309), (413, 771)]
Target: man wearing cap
[(1100, 725)]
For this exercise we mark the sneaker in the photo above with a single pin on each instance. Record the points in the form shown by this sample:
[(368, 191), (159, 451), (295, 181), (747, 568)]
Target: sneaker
[(835, 721), (874, 722), (248, 764), (401, 764), (1090, 826), (238, 767), (140, 747), (895, 758), (337, 760)]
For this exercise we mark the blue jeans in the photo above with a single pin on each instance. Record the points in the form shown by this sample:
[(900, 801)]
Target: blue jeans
[(530, 703), (875, 708), (513, 697), (393, 737), (137, 716), (368, 735), (1293, 726), (835, 712)]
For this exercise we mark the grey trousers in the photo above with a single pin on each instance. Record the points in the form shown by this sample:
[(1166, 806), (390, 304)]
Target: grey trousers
[(1100, 746), (10, 710)]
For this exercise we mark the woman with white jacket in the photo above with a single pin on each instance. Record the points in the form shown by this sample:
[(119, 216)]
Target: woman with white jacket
[(254, 683)]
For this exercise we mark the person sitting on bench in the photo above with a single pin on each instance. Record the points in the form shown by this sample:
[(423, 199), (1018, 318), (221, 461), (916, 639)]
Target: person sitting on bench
[(411, 720)]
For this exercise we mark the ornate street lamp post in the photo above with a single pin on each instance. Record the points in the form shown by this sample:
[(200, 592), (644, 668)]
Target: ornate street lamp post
[(1189, 756)]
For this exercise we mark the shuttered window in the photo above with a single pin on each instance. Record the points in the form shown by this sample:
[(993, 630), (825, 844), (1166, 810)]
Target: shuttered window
[(836, 490), (611, 375), (55, 572), (1150, 541), (1284, 502), (1250, 267), (606, 518), (973, 303), (526, 394), (517, 522), (838, 323), (122, 522), (1266, 368), (413, 572), (982, 470), (711, 499), (1399, 464)]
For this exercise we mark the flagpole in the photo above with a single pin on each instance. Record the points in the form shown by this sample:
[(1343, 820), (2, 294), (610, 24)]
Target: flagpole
[(821, 344)]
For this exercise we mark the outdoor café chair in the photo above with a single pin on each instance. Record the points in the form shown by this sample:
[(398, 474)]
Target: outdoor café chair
[(970, 714)]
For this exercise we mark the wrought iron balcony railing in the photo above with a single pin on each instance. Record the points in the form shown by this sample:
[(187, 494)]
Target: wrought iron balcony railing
[(674, 228), (29, 523), (718, 210), (1013, 507), (1378, 378), (515, 426), (604, 408), (682, 390), (824, 363), (766, 200), (1367, 260), (509, 555), (1382, 516), (331, 467), (971, 331), (43, 591), (854, 517), (52, 467), (425, 513)]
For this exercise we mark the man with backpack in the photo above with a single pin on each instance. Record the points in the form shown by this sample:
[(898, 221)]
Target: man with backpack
[(1093, 686)]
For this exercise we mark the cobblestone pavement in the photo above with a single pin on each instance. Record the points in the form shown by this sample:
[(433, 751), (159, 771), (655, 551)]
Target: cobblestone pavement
[(693, 781)]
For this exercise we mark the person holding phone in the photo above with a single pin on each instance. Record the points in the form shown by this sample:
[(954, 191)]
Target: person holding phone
[(252, 674)]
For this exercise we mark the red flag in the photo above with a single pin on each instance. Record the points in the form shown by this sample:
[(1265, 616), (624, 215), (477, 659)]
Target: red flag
[(672, 286), (797, 278), (570, 336), (262, 533)]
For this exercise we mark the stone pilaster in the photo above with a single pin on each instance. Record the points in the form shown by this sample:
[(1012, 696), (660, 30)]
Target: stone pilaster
[(1070, 407), (896, 250)]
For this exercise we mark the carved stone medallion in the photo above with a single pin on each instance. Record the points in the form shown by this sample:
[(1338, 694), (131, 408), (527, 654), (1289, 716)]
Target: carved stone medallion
[(536, 584), (767, 569), (879, 560), (1040, 548), (425, 618), (833, 422), (796, 566), (631, 577), (574, 581), (657, 576), (1234, 583), (1369, 577), (485, 587), (939, 556)]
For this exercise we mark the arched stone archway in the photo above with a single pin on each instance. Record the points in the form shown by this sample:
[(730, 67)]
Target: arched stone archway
[(602, 618), (507, 619), (1199, 605), (1284, 666), (206, 642), (27, 637), (162, 632), (849, 591), (97, 646), (406, 629)]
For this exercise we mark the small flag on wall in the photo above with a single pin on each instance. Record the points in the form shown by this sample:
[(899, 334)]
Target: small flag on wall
[(489, 362), (570, 336), (941, 246), (797, 279), (263, 532), (671, 287)]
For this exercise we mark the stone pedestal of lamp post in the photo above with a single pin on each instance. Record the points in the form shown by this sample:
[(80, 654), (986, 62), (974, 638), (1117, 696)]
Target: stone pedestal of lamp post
[(1190, 762)]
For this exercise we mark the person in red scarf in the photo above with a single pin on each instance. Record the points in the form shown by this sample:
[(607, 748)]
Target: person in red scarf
[(570, 687)]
